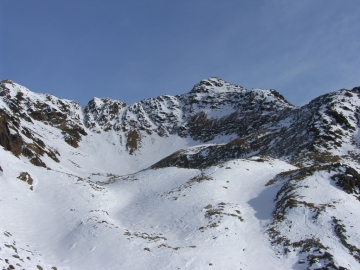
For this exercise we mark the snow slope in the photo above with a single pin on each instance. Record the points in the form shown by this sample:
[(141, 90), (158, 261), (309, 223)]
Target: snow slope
[(154, 219)]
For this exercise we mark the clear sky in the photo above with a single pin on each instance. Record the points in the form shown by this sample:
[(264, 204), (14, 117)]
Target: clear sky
[(130, 50)]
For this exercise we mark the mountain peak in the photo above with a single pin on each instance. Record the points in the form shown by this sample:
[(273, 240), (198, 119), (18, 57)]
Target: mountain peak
[(215, 85), (8, 87)]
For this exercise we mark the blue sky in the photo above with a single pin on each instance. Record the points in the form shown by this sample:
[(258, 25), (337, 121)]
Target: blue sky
[(130, 50)]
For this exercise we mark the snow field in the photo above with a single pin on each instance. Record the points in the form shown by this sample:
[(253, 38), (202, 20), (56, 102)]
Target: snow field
[(150, 221)]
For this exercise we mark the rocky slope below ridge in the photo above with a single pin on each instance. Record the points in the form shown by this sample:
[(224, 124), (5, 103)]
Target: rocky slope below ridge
[(323, 131), (262, 122), (20, 109), (202, 113), (211, 109), (315, 225)]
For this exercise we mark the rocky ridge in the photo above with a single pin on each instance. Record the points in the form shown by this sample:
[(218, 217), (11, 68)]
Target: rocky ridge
[(320, 132), (260, 122), (211, 109)]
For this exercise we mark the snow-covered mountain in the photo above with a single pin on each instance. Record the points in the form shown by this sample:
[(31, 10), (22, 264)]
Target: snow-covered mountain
[(218, 178)]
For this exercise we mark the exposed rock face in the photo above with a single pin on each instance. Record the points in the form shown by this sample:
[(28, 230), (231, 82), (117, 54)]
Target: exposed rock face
[(262, 120), (212, 108), (20, 104), (316, 133), (26, 177), (9, 138), (132, 141), (102, 111)]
